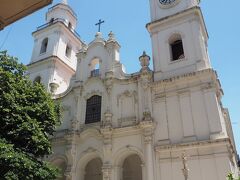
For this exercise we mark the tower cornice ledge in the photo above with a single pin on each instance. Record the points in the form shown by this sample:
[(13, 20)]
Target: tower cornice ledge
[(206, 79), (194, 10), (48, 59), (193, 76), (58, 23)]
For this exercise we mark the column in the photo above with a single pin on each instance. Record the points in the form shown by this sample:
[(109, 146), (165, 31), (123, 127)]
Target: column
[(107, 172), (106, 131), (149, 158), (70, 152), (148, 143)]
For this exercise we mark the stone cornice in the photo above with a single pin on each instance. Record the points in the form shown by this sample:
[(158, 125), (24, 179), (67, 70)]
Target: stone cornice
[(65, 93), (193, 145), (199, 78), (47, 60), (184, 77), (78, 84), (59, 25)]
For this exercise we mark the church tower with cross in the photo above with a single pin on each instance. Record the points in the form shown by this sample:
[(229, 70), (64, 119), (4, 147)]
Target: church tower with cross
[(162, 124)]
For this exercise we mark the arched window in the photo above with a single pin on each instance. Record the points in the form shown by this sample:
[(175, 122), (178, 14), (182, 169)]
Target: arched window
[(93, 109), (95, 67), (176, 47), (44, 46), (37, 79), (93, 170), (132, 169), (68, 51)]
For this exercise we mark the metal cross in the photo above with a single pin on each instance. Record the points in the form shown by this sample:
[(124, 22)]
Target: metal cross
[(99, 24)]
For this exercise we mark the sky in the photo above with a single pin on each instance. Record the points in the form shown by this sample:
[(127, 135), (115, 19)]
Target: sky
[(127, 19)]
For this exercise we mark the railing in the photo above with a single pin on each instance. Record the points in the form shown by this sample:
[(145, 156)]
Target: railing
[(95, 73), (56, 21), (51, 8)]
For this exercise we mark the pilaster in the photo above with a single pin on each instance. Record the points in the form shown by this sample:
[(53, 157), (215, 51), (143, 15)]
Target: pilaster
[(148, 130), (70, 153), (145, 80), (107, 131)]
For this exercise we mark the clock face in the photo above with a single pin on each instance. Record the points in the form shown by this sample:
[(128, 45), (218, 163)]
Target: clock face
[(167, 2)]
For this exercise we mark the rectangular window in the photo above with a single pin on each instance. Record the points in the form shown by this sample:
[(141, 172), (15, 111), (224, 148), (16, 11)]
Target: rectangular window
[(93, 109)]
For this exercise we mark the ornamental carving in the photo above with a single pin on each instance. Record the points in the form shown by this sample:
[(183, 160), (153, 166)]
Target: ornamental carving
[(109, 81), (107, 122), (107, 170), (128, 121), (92, 93), (127, 93), (89, 150)]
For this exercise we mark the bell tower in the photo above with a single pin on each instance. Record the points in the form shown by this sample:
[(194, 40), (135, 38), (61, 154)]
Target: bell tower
[(56, 43), (179, 38)]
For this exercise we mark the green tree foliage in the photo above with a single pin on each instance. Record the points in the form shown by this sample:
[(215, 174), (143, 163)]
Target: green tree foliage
[(28, 116), (230, 177)]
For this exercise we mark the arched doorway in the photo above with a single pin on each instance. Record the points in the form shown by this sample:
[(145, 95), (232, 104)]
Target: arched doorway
[(132, 169), (93, 170)]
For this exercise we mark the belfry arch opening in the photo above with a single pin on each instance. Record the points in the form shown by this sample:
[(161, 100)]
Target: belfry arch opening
[(176, 47), (93, 170), (95, 67), (132, 168)]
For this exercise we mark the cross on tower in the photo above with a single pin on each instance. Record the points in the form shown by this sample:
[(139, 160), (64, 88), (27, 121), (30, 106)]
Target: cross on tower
[(99, 24)]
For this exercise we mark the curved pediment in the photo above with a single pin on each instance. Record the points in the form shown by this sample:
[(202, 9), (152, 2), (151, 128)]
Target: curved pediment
[(97, 41)]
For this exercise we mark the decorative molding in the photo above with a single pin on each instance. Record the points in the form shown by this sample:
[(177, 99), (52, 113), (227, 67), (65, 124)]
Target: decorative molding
[(107, 121), (127, 121), (109, 81), (92, 93), (192, 145), (90, 150), (159, 97), (107, 171), (127, 93), (190, 77)]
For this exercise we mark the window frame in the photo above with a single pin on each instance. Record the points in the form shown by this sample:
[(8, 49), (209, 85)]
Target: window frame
[(175, 50), (94, 103), (68, 51), (44, 46)]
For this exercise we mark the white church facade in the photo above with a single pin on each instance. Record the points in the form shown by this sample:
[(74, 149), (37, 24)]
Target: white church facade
[(162, 124)]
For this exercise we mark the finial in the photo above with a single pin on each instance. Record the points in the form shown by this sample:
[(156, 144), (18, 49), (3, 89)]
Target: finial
[(144, 60), (111, 36), (64, 2), (98, 35)]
